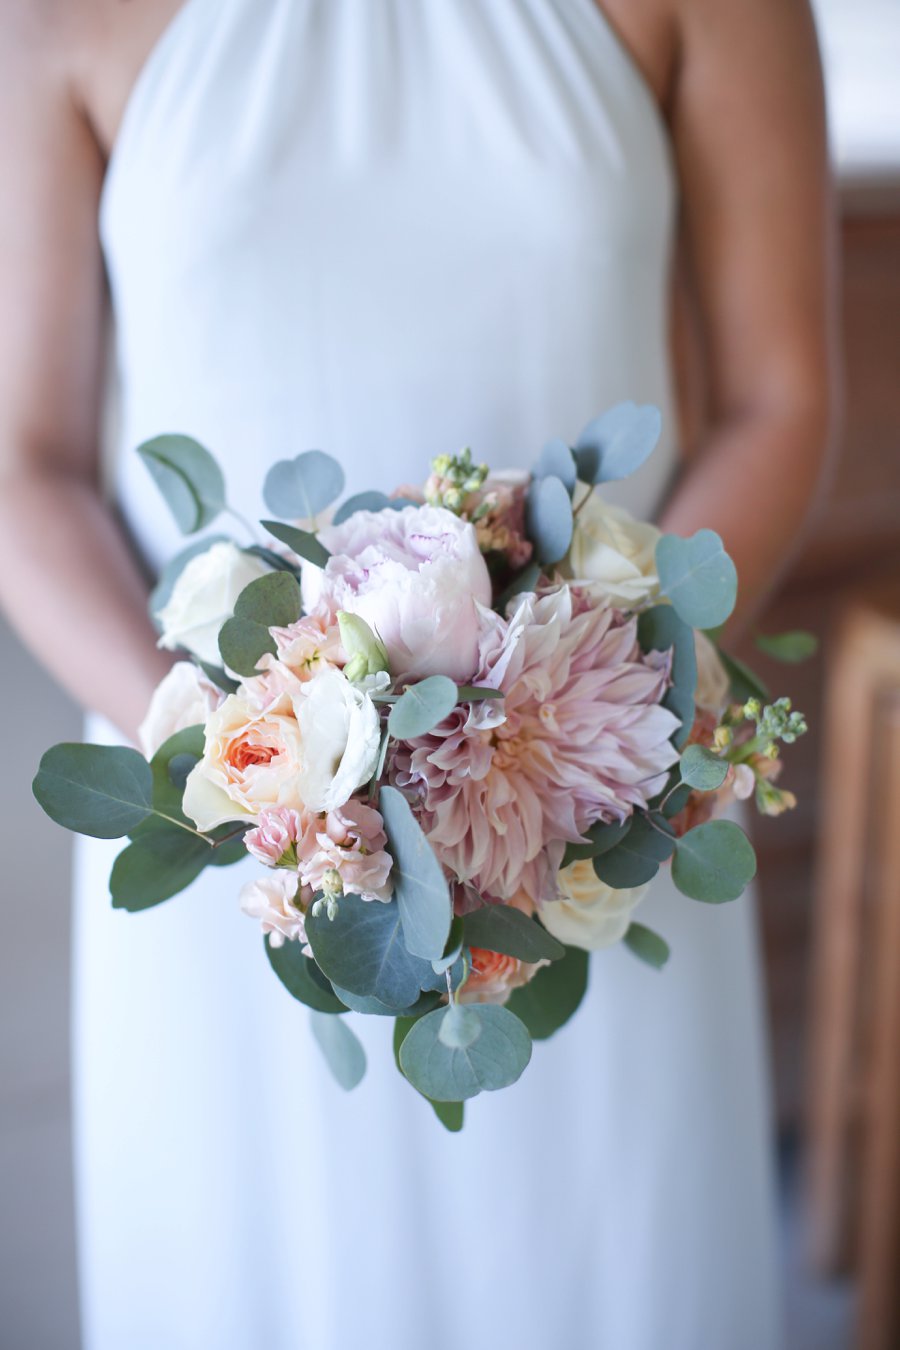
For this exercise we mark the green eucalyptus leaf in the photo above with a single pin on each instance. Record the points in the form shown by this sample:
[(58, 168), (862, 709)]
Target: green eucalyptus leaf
[(790, 647), (299, 488), (616, 444), (557, 460), (188, 477), (362, 950), (343, 1052), (216, 675), (301, 542), (450, 1114), (297, 973), (548, 519), (659, 629), (698, 577), (525, 582), (156, 866), (637, 858), (501, 928), (452, 947), (474, 693), (421, 707), (713, 862), (703, 770), (648, 946), (272, 600), (460, 1027), (369, 501), (242, 644), (182, 750), (601, 837), (373, 1007), (420, 887), (443, 1073), (553, 995), (100, 790)]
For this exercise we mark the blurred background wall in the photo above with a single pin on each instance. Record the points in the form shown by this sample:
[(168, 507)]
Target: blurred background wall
[(830, 872)]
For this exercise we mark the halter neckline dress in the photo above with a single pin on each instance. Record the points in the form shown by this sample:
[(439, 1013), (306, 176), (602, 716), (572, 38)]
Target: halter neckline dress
[(391, 228)]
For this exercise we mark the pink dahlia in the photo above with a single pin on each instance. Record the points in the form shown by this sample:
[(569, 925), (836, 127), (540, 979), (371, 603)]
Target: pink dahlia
[(579, 736)]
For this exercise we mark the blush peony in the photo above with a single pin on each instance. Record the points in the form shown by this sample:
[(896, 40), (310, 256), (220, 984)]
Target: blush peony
[(416, 576)]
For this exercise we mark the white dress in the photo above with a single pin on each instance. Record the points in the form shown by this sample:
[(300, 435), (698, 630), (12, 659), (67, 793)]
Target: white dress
[(391, 228)]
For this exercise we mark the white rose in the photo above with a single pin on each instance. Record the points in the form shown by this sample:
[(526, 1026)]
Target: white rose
[(711, 694), (612, 554), (590, 914), (203, 598), (183, 698), (311, 748)]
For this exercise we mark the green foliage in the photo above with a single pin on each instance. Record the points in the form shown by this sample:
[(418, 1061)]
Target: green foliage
[(637, 858), (301, 542), (271, 601), (522, 584), (744, 684), (421, 707), (100, 790), (616, 444), (548, 1000), (343, 1052), (601, 837), (421, 891), (501, 928), (698, 577), (548, 519), (703, 770), (659, 629), (299, 488), (714, 862), (556, 460), (493, 1060), (647, 945), (157, 865), (295, 971), (791, 647), (369, 501), (188, 477), (362, 950)]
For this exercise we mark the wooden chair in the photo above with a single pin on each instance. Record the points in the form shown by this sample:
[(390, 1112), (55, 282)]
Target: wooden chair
[(854, 1098)]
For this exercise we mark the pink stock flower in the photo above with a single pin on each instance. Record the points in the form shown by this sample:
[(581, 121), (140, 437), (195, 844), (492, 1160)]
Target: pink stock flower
[(276, 834), (501, 525), (579, 736), (303, 649), (351, 842), (416, 576), (279, 902)]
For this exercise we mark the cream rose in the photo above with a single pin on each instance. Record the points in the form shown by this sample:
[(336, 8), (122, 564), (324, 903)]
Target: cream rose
[(612, 554), (203, 598), (311, 749), (590, 914), (183, 698)]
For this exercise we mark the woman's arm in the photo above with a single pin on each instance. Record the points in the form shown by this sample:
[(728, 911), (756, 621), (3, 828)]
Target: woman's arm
[(749, 132), (67, 578)]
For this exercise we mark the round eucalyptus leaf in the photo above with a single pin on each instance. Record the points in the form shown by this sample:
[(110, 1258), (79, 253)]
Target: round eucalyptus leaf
[(272, 600), (102, 790), (452, 947), (703, 770), (362, 501), (188, 477), (157, 866), (600, 838), (556, 458), (180, 751), (648, 946), (300, 488), (421, 891), (298, 975), (301, 542), (421, 707), (660, 629), (548, 519), (713, 862), (373, 1007), (502, 928), (637, 858), (242, 643), (450, 1114), (444, 1073), (616, 444), (343, 1052), (553, 995), (460, 1027), (362, 950), (698, 577)]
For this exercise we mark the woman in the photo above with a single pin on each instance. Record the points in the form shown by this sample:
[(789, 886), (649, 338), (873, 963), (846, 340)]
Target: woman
[(389, 228)]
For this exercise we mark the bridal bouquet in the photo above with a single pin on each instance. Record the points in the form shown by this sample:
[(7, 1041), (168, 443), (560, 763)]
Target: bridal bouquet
[(458, 730)]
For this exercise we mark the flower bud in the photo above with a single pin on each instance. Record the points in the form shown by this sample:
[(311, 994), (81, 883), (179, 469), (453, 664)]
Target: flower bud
[(366, 654)]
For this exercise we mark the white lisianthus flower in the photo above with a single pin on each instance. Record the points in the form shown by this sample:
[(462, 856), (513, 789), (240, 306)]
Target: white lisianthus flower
[(711, 693), (203, 598), (589, 914), (183, 698), (612, 555), (311, 748)]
